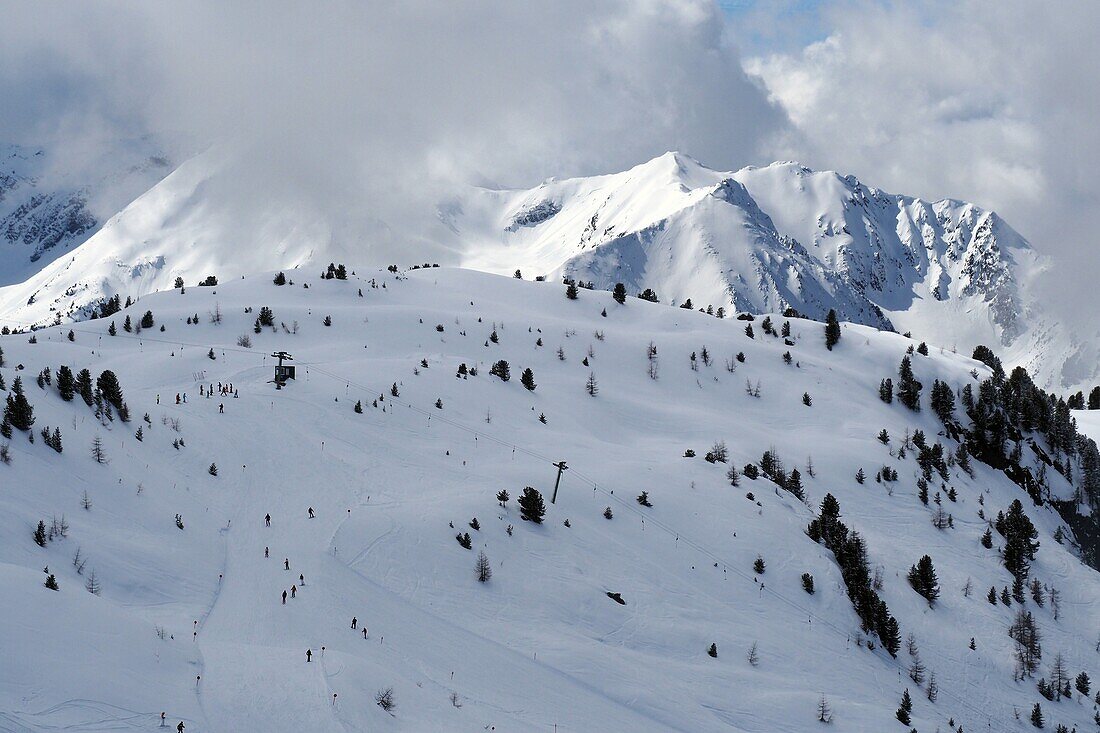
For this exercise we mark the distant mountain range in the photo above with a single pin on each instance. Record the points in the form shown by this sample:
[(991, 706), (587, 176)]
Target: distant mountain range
[(758, 239)]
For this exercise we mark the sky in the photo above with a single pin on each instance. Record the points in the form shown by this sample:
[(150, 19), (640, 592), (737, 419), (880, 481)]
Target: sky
[(367, 110)]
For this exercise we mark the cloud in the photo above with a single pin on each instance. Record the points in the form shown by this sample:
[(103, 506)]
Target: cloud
[(356, 109), (992, 104)]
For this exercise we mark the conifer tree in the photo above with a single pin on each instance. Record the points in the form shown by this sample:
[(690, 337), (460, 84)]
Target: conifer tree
[(619, 293), (903, 712), (18, 411), (527, 379), (943, 401), (590, 386), (908, 387), (1020, 545), (501, 370), (108, 385), (51, 582), (832, 330), (794, 485), (147, 320), (83, 386), (1037, 716), (40, 534), (886, 390), (922, 577), (65, 383), (571, 291), (482, 567), (531, 506)]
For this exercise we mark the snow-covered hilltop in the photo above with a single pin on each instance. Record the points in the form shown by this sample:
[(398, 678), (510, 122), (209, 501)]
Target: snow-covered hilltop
[(662, 591), (756, 240)]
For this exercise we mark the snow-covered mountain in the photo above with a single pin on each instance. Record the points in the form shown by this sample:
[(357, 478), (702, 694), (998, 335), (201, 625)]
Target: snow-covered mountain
[(47, 208), (757, 240), (397, 436)]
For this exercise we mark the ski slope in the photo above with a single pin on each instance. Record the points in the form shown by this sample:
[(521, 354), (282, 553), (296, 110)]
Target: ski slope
[(541, 646)]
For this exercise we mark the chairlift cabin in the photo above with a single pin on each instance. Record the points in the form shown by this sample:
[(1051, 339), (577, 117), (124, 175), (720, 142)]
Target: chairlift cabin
[(283, 373)]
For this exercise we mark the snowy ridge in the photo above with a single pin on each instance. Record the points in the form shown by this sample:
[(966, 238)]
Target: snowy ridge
[(760, 239), (541, 644)]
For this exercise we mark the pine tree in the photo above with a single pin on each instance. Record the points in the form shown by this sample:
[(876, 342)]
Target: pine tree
[(280, 279), (92, 583), (808, 583), (712, 650), (527, 379), (108, 384), (500, 369), (886, 390), (943, 401), (590, 386), (358, 407), (619, 293), (83, 386), (908, 387), (903, 712), (18, 410), (111, 330), (992, 595), (758, 565), (40, 534), (922, 577), (147, 320), (794, 485), (571, 291), (832, 330), (98, 453), (1037, 716), (51, 582), (127, 326), (483, 568), (987, 539), (55, 440), (502, 497), (531, 506), (213, 470), (65, 384)]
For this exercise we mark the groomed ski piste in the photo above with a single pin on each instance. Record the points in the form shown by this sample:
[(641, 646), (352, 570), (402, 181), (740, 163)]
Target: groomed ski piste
[(541, 646)]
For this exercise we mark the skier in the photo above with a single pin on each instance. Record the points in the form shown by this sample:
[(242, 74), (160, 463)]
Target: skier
[(293, 591), (309, 655), (221, 408), (177, 398), (286, 563), (267, 552), (179, 728), (302, 578), (364, 632), (162, 714), (267, 519), (311, 512), (284, 597), (354, 621)]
